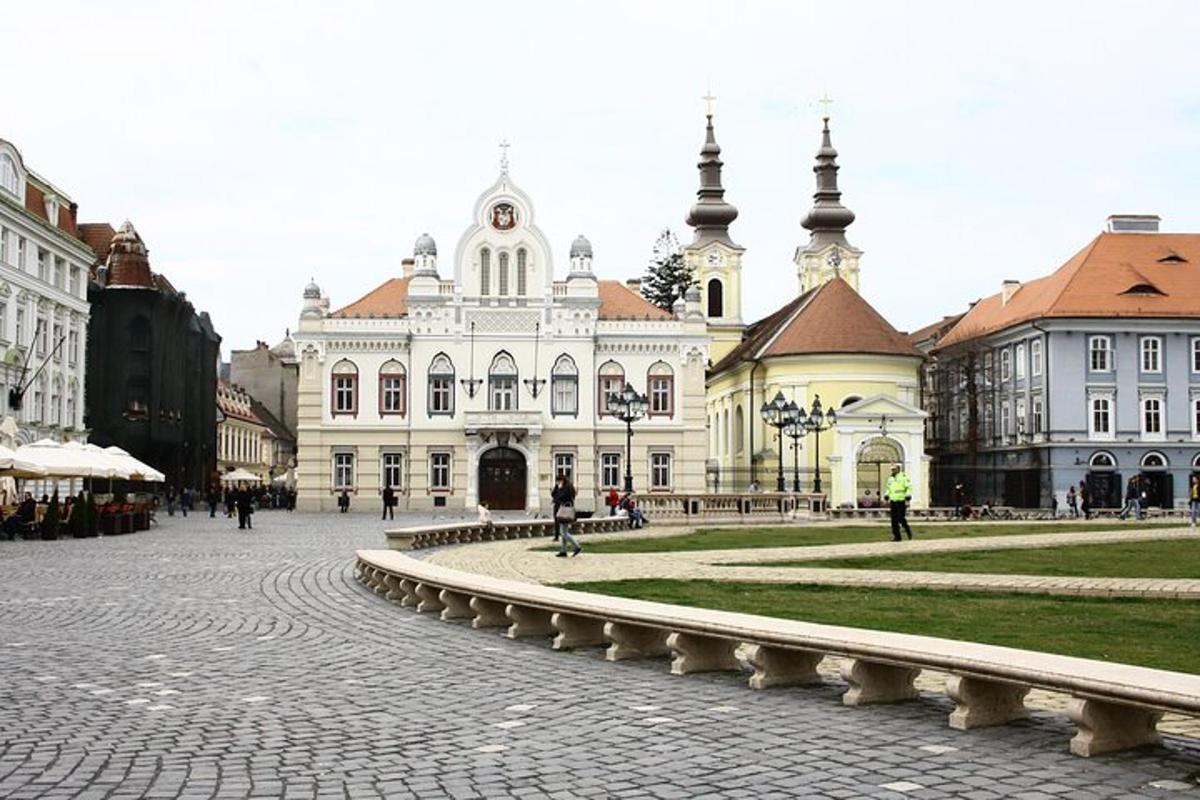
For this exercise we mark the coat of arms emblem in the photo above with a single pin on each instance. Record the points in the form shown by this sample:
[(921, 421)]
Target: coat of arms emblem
[(504, 216)]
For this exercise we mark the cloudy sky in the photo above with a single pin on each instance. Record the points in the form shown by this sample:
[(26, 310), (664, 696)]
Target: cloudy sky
[(256, 144)]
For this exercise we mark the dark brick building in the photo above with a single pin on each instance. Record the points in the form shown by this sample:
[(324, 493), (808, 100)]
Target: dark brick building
[(152, 363)]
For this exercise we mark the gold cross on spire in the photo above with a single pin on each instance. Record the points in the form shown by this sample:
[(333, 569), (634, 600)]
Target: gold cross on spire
[(826, 101), (504, 145), (710, 101)]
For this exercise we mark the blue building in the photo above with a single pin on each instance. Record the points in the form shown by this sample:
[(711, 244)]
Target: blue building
[(1091, 373)]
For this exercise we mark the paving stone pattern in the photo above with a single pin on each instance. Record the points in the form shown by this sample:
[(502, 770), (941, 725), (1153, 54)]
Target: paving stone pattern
[(197, 661)]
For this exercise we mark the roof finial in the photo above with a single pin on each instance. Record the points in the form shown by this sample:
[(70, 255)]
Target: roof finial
[(504, 145), (710, 102), (828, 219), (711, 214), (826, 101)]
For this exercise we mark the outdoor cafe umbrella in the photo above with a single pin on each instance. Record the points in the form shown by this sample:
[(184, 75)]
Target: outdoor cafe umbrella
[(138, 470), (63, 461), (240, 474), (14, 466)]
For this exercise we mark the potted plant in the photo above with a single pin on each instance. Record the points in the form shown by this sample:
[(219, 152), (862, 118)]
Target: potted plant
[(50, 520)]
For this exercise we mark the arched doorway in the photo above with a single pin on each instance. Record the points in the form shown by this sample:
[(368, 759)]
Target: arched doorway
[(874, 467), (1103, 481), (502, 479), (1156, 481)]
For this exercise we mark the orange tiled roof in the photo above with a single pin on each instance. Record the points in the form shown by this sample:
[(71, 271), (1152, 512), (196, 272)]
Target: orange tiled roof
[(935, 330), (832, 318), (1115, 275), (98, 236), (388, 300), (618, 301)]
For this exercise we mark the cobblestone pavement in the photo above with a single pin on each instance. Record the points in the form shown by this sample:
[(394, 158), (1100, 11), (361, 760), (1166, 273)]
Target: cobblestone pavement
[(523, 559), (198, 661)]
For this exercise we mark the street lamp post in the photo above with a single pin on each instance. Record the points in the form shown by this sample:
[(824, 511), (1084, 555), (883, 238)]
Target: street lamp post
[(628, 406), (795, 431), (817, 421), (778, 413)]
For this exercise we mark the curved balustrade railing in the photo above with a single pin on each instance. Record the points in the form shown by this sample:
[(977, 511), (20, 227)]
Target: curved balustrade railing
[(1114, 706), (421, 537)]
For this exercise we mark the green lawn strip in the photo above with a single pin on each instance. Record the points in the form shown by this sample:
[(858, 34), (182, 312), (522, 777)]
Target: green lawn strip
[(1147, 632), (746, 538), (1167, 559)]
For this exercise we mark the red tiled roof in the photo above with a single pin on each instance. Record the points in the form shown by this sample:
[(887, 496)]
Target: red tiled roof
[(388, 300), (832, 318), (935, 330), (1161, 269), (98, 236), (618, 301)]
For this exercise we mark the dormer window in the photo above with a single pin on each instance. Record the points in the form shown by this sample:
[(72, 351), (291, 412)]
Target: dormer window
[(1143, 288), (1172, 258), (10, 179), (52, 209)]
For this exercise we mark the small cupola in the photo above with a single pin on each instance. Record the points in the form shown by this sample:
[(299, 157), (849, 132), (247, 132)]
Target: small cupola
[(425, 256), (581, 258)]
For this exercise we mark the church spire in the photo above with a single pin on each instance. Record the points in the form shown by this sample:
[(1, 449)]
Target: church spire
[(828, 219), (711, 215)]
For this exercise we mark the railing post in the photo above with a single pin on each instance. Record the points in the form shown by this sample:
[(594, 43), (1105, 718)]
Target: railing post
[(776, 666), (873, 682), (428, 596), (695, 653), (634, 641), (527, 621), (457, 605), (488, 613), (1105, 727), (982, 703), (575, 631)]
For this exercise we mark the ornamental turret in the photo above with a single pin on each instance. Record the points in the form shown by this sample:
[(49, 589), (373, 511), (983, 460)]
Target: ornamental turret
[(711, 215), (581, 258), (128, 261), (827, 255)]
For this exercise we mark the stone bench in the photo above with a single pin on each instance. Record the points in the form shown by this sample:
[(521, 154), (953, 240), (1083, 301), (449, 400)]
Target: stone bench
[(1113, 706)]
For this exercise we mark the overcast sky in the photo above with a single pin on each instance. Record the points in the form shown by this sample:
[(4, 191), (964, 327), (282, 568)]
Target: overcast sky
[(256, 144)]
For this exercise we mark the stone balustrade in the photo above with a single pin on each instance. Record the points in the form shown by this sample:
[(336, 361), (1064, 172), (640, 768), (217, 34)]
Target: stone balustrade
[(1113, 706), (419, 538), (731, 508)]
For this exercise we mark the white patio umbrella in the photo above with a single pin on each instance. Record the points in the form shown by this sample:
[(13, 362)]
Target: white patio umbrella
[(138, 470), (61, 461), (13, 466), (104, 464), (240, 474)]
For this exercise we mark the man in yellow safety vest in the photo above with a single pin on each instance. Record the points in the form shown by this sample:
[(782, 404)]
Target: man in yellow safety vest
[(899, 492)]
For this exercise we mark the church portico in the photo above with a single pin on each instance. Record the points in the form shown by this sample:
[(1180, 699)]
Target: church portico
[(494, 444)]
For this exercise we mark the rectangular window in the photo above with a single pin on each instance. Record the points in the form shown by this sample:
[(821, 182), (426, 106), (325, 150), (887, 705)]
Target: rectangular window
[(1005, 365), (1038, 415), (1101, 416), (441, 395), (610, 467), (564, 395), (54, 342), (1100, 354), (1021, 415), (391, 394), (660, 396), (1151, 354), (564, 466), (660, 471), (75, 281), (1021, 362), (43, 264), (609, 385), (1035, 357), (43, 335), (392, 470), (343, 471), (21, 252), (60, 272), (1005, 419), (72, 347), (439, 471), (1152, 422), (3, 246), (1196, 355), (1196, 416), (3, 320), (503, 394), (345, 395)]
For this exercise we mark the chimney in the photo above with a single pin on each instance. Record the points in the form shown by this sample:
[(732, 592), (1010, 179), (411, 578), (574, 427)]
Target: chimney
[(407, 266), (1133, 223), (635, 284), (1007, 289)]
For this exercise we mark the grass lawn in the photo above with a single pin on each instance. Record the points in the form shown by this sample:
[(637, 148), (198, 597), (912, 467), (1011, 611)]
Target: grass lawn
[(741, 538), (1171, 559), (1151, 633)]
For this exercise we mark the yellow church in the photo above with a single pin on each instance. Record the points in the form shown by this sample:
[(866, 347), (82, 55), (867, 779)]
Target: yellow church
[(822, 394)]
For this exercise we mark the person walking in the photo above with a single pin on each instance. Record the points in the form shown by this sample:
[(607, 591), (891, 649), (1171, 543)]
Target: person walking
[(612, 501), (245, 508), (960, 499), (899, 492), (1194, 498), (389, 502), (344, 501), (212, 497), (171, 500), (185, 500), (1072, 501), (563, 498), (1085, 500), (1133, 499)]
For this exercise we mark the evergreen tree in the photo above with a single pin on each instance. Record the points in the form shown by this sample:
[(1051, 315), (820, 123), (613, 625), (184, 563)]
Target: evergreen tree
[(667, 276)]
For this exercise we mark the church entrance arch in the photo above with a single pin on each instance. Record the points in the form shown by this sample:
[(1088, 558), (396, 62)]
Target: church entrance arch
[(874, 467), (502, 479)]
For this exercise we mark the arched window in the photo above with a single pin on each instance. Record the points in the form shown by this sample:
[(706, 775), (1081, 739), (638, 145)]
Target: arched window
[(485, 272), (502, 381), (344, 385), (392, 389), (1102, 460), (503, 290), (850, 399), (564, 387), (1154, 460), (610, 380), (72, 391), (739, 431), (441, 386), (660, 386), (522, 258), (9, 179), (716, 298), (56, 401)]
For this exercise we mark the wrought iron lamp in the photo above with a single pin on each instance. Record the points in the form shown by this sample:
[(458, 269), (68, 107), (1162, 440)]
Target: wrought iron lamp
[(817, 421), (471, 384), (628, 406), (778, 413), (795, 430)]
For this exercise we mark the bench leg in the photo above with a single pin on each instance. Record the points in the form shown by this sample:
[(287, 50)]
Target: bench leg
[(776, 666), (527, 621), (634, 641), (488, 613), (982, 703), (1105, 727), (408, 593), (429, 600), (457, 606), (576, 631), (693, 653), (872, 682)]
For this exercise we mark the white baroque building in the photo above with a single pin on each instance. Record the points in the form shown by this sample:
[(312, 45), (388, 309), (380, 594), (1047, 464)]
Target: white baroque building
[(487, 383), (43, 303)]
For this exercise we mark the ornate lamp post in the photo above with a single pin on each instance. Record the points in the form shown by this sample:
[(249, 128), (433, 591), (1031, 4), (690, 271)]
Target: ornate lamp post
[(795, 430), (628, 406), (778, 413), (817, 421)]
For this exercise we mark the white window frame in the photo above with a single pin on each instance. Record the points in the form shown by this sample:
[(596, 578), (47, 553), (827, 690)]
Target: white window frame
[(1035, 358), (1022, 416), (1152, 406), (1196, 354), (343, 463), (1039, 416), (1005, 365), (661, 471), (1005, 420), (1108, 398), (1020, 359), (441, 464), (564, 387), (386, 470), (1195, 408), (564, 463), (1106, 350), (612, 461), (1150, 349)]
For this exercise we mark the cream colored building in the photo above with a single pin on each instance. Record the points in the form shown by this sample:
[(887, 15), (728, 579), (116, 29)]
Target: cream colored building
[(243, 439), (484, 375), (826, 343)]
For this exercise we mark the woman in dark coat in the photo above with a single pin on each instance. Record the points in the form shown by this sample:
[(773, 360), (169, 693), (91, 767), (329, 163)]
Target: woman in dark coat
[(563, 497)]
